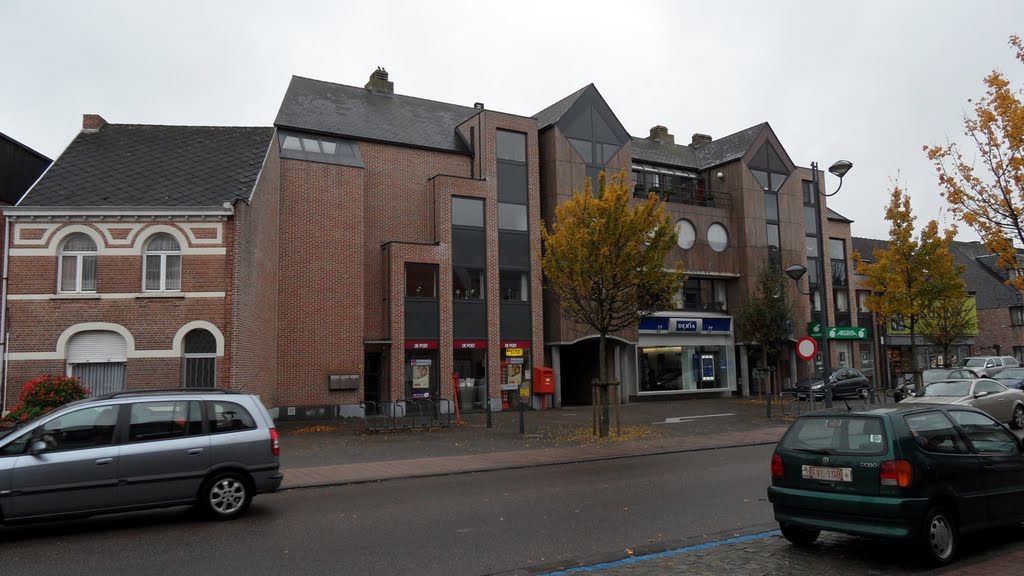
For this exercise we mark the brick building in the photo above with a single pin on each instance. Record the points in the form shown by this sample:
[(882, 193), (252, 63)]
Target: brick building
[(373, 247)]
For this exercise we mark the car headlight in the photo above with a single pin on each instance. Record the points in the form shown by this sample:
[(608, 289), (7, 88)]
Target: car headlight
[(818, 386)]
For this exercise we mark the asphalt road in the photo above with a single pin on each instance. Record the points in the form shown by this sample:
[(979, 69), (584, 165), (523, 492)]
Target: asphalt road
[(517, 521)]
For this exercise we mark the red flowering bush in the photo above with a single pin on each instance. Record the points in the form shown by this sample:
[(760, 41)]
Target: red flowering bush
[(43, 395)]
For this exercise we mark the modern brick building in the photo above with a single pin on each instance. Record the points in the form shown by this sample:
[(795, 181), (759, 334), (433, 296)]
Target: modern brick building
[(373, 247)]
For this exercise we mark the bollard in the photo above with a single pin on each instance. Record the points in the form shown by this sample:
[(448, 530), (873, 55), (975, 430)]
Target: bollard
[(828, 396), (522, 411), (487, 410), (768, 406)]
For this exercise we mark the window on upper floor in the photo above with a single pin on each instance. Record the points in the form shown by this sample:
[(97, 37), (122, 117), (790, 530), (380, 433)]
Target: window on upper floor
[(862, 302), (420, 280), (768, 168), (514, 285), (1017, 316), (162, 264), (837, 254), (77, 265)]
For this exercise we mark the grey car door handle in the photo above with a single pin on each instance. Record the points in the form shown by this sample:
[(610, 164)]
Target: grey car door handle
[(104, 461), (195, 452)]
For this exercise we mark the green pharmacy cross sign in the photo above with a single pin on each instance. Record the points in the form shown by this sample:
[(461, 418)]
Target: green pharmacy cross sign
[(838, 332)]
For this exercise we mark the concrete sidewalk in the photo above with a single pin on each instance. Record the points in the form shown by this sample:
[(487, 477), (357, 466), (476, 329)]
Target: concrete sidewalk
[(326, 453)]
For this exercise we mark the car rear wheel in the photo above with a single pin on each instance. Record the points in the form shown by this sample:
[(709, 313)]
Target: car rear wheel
[(1017, 422), (799, 536), (225, 496), (939, 537)]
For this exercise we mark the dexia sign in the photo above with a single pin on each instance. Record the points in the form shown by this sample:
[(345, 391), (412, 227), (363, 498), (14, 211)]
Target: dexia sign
[(838, 332)]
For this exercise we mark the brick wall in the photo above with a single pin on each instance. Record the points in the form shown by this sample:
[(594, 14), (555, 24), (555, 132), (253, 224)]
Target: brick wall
[(254, 288)]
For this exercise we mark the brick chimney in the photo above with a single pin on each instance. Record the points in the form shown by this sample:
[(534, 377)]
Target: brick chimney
[(92, 122), (700, 140), (660, 135), (379, 82)]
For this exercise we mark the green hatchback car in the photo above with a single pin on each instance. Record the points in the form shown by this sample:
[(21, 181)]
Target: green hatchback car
[(920, 472)]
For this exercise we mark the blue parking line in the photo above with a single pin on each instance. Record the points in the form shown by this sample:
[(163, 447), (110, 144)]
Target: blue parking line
[(665, 554)]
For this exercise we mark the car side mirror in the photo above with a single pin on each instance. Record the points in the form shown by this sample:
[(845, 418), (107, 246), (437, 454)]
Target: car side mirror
[(36, 447)]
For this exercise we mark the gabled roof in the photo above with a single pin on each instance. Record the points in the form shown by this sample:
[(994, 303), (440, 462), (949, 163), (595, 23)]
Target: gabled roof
[(728, 148), (132, 165), (647, 150), (554, 113), (709, 155), (362, 114), (981, 275), (836, 216)]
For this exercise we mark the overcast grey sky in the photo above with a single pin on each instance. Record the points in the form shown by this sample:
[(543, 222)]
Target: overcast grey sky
[(866, 81)]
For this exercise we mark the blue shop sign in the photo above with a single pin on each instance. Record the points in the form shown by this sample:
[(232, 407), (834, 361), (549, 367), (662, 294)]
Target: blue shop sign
[(716, 325), (654, 324), (686, 325)]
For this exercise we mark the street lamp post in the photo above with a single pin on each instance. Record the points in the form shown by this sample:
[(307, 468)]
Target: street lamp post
[(839, 169)]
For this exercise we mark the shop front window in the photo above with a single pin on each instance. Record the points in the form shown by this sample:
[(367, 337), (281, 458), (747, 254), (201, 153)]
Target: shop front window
[(471, 370), (683, 368)]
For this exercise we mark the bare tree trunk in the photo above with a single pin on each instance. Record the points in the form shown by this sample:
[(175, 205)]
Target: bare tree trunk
[(603, 385), (913, 353)]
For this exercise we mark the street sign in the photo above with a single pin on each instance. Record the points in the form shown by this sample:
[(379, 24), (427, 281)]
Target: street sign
[(806, 348)]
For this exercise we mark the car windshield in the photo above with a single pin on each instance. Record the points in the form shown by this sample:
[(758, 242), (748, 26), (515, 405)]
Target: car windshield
[(974, 363), (957, 389)]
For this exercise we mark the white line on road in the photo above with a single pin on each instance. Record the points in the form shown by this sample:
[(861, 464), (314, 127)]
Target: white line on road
[(681, 419)]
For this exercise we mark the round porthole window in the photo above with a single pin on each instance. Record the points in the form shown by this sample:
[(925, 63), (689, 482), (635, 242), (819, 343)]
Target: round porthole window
[(718, 237), (686, 234)]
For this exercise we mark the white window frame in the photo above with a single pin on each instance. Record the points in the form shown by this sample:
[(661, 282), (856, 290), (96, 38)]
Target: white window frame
[(80, 256), (163, 254)]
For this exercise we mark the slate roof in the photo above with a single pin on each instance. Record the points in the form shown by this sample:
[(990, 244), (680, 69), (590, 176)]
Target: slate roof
[(836, 216), (361, 114), (981, 275), (729, 147), (554, 113), (132, 165), (714, 153)]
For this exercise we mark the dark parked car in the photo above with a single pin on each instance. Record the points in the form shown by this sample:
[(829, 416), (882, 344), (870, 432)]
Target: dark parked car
[(918, 472), (1011, 378), (843, 381), (907, 389)]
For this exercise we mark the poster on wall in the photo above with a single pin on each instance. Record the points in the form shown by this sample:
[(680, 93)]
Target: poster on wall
[(515, 371), (421, 374)]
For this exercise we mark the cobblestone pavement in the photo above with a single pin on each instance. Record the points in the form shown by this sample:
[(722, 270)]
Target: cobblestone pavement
[(995, 553)]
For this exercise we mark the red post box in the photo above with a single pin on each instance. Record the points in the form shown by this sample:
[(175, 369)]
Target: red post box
[(543, 383)]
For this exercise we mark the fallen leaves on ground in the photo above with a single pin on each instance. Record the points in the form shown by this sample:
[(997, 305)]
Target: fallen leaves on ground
[(578, 435), (312, 429)]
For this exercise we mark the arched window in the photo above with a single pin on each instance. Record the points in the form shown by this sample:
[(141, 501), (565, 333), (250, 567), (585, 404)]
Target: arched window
[(162, 264), (98, 358), (77, 264), (199, 365)]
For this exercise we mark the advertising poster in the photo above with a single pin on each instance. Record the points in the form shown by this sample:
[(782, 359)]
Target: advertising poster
[(421, 374), (515, 371)]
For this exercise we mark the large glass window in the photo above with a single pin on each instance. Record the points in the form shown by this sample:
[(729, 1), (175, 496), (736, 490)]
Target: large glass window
[(511, 146), (467, 212), (468, 284), (164, 419), (683, 368), (78, 264), (514, 285), (162, 264), (808, 189), (86, 428), (228, 417), (420, 281), (512, 217)]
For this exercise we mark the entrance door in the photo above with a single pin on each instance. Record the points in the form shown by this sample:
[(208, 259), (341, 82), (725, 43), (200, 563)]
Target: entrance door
[(371, 376)]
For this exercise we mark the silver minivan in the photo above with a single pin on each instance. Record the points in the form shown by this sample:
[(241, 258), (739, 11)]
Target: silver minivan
[(215, 449)]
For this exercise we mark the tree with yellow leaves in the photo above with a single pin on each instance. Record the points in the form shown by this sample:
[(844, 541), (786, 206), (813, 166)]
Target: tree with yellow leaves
[(990, 198), (605, 260), (911, 276)]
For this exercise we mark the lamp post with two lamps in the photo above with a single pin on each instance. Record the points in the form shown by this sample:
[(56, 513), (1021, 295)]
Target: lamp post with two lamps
[(796, 271)]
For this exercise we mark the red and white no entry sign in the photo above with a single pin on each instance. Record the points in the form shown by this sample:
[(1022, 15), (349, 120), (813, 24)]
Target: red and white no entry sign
[(807, 347)]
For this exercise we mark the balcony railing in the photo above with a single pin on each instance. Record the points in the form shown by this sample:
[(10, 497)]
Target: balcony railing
[(684, 195)]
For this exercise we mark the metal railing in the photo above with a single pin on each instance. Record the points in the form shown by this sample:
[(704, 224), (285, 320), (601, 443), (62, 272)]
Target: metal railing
[(408, 414), (802, 402)]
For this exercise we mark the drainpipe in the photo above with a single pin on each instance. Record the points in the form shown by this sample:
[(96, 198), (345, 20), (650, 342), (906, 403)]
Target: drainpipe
[(3, 321)]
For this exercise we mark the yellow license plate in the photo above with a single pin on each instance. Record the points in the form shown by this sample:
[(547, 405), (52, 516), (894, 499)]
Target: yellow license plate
[(827, 473)]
